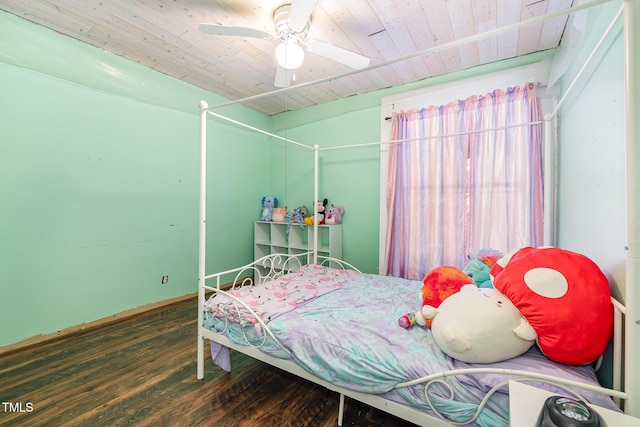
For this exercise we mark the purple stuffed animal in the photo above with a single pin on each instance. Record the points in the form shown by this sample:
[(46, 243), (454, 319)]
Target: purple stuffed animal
[(334, 215)]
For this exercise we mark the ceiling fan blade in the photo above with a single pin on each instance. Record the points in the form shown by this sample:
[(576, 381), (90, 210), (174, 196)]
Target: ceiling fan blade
[(338, 54), (283, 77), (228, 30), (299, 13)]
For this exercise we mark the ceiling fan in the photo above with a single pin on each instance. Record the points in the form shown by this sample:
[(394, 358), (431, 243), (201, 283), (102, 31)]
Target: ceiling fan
[(291, 22)]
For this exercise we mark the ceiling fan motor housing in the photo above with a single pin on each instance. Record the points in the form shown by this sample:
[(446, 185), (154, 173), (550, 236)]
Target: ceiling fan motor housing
[(283, 26)]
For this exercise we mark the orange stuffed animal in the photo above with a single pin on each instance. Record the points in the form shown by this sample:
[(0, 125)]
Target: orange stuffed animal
[(438, 284)]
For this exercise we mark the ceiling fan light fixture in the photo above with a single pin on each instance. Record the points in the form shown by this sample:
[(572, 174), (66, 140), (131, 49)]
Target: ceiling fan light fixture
[(289, 54)]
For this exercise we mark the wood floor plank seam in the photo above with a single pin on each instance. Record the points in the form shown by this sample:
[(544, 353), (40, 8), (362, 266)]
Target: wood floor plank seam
[(142, 371)]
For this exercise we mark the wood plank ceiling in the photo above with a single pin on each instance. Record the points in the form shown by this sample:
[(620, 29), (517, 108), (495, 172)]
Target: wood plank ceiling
[(164, 35)]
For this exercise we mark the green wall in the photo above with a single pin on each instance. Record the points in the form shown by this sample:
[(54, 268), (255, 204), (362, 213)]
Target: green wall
[(591, 152), (347, 178), (100, 178), (99, 169), (351, 177), (591, 194)]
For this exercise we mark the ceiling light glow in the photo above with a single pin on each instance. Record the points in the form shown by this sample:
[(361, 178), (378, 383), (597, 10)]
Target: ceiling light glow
[(289, 54)]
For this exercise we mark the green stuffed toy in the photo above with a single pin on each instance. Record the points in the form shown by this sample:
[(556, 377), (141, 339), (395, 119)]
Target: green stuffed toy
[(480, 265)]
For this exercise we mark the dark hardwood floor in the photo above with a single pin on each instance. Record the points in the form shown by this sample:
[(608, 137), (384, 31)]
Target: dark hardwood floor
[(142, 371)]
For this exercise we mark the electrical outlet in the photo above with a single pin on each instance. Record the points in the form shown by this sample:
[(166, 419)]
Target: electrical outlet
[(165, 280)]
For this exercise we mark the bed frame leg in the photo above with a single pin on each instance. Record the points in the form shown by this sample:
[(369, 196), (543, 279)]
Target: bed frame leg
[(200, 368), (341, 409)]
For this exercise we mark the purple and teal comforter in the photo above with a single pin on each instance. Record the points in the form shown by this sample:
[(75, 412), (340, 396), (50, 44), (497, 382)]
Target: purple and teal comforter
[(350, 337)]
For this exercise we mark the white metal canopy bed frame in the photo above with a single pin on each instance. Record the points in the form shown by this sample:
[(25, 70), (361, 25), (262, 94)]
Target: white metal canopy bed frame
[(213, 283), (626, 332)]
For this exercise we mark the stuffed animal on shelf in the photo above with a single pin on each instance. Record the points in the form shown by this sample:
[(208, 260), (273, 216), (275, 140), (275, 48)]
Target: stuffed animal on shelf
[(479, 325), (295, 217), (334, 215), (279, 214), (437, 285), (564, 296), (321, 208), (304, 211), (479, 266), (268, 203)]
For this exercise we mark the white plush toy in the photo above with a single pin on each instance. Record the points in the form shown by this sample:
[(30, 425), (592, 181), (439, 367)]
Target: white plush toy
[(479, 325)]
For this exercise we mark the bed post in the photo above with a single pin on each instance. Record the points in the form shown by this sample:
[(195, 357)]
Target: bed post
[(202, 243), (632, 298), (315, 203), (549, 185)]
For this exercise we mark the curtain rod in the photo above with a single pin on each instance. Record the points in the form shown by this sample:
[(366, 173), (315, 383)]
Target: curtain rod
[(419, 138), (434, 49)]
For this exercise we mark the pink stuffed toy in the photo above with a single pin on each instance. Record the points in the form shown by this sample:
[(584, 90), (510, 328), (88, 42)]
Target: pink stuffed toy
[(334, 215)]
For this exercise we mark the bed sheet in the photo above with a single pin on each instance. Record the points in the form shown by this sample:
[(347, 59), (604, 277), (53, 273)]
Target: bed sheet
[(268, 301), (279, 295), (350, 337)]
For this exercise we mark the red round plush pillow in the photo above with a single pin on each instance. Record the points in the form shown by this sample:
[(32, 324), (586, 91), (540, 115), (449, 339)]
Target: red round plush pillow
[(564, 296)]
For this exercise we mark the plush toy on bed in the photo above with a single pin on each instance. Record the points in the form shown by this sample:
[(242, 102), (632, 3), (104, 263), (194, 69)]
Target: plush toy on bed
[(479, 325), (479, 266), (334, 215), (557, 298), (268, 203), (564, 296), (437, 285), (442, 282)]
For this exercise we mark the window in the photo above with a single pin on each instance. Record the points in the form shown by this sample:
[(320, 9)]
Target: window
[(463, 176)]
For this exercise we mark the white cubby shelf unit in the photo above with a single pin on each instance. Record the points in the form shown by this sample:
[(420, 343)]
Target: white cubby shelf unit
[(272, 238)]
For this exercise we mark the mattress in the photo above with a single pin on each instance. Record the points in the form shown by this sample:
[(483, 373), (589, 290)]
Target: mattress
[(345, 331)]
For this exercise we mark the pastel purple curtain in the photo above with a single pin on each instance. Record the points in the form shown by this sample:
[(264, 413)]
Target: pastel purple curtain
[(464, 176)]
